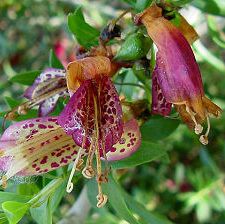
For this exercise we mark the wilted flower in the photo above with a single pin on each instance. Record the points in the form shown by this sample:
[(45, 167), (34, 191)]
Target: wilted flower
[(176, 78), (93, 117)]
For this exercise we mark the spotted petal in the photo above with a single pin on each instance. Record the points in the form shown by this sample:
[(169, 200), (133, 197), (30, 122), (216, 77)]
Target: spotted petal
[(129, 142), (80, 116), (35, 146), (48, 83), (159, 103)]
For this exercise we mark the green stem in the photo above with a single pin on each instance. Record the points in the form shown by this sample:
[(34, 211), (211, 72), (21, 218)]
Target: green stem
[(129, 84)]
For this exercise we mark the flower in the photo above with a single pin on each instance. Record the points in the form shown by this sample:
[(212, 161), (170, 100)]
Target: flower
[(176, 78), (46, 90), (93, 117), (91, 123), (40, 145)]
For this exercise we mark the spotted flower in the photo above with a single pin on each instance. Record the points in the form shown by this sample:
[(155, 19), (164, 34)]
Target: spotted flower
[(176, 79), (93, 117), (91, 124)]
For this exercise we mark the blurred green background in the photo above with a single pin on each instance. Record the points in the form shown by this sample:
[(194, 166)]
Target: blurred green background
[(188, 186)]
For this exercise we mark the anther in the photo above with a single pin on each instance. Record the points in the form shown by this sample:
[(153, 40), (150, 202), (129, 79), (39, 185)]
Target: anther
[(204, 139), (11, 116), (88, 172), (4, 181), (102, 199), (22, 110), (198, 129)]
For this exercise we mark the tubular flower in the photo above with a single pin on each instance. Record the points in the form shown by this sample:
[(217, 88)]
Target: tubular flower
[(37, 146), (93, 117), (176, 78)]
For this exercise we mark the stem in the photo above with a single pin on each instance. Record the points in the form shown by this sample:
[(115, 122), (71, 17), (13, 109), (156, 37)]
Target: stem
[(130, 84)]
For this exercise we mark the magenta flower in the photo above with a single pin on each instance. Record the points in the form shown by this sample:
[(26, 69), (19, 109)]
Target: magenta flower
[(46, 90), (176, 78), (93, 117), (90, 124)]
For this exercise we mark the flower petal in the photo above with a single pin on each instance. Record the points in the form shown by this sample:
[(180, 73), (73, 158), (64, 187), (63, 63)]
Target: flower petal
[(40, 145), (159, 103), (78, 117), (85, 69), (180, 79), (46, 75), (128, 144)]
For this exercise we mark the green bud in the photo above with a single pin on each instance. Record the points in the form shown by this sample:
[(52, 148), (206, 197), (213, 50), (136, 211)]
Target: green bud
[(135, 46)]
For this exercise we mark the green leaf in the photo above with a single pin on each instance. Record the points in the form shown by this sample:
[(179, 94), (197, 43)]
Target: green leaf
[(203, 211), (57, 196), (25, 78), (130, 2), (142, 4), (147, 152), (42, 214), (146, 215), (11, 102), (14, 211), (86, 35), (54, 62), (180, 2), (9, 196), (215, 33), (134, 47), (116, 200), (216, 7), (158, 128)]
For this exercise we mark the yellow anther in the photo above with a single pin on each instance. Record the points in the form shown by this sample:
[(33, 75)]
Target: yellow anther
[(4, 181), (204, 139), (102, 199), (88, 172)]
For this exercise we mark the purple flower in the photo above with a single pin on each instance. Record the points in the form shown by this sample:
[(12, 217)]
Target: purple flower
[(93, 117), (46, 90), (176, 78)]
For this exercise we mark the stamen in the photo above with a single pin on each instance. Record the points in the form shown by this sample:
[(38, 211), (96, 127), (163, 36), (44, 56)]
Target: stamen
[(88, 172), (101, 198), (204, 138), (69, 186), (198, 127)]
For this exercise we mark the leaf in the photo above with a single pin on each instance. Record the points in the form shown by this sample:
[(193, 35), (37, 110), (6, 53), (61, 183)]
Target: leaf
[(216, 7), (146, 215), (134, 47), (158, 128), (214, 31), (54, 62), (25, 78), (142, 4), (147, 152), (57, 196), (14, 211), (9, 196), (42, 214), (86, 35), (130, 2), (116, 200), (12, 103), (203, 211)]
